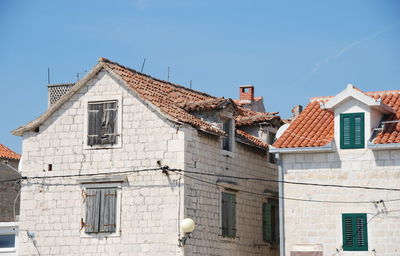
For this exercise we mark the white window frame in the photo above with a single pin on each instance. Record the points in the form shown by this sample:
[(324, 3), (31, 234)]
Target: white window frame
[(117, 232), (100, 99), (9, 228)]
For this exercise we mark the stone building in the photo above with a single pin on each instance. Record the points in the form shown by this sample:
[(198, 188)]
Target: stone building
[(9, 200), (351, 140), (121, 158)]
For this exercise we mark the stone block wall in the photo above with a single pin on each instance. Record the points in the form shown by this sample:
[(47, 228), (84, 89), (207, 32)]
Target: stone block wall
[(321, 222), (51, 209), (203, 197), (9, 191)]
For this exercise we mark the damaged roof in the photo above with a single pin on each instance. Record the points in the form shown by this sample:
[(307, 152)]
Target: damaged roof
[(174, 101)]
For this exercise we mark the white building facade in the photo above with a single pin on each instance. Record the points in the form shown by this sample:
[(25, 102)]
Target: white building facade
[(349, 140), (121, 158)]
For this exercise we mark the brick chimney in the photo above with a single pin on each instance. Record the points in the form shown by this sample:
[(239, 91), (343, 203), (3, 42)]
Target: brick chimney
[(246, 93)]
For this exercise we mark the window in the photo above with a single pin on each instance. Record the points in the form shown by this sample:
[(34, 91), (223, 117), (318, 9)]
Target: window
[(355, 235), (271, 140), (352, 130), (227, 141), (101, 210), (8, 237), (270, 221), (228, 215), (102, 123)]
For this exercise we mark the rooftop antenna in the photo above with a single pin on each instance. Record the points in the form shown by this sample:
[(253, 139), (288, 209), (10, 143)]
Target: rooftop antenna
[(144, 61), (78, 73), (48, 75), (190, 84), (168, 73)]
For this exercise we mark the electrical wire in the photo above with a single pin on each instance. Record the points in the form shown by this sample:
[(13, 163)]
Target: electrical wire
[(286, 182), (287, 198)]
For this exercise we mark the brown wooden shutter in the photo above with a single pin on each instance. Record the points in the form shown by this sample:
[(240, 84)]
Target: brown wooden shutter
[(108, 210), (93, 196), (95, 115)]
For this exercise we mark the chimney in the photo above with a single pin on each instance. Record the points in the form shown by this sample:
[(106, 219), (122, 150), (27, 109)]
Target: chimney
[(296, 110), (56, 91), (246, 94)]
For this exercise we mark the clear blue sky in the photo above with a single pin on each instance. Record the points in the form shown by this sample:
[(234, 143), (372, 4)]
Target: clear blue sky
[(289, 50)]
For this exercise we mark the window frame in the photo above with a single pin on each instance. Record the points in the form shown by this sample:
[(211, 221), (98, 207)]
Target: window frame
[(352, 131), (228, 235), (118, 187), (10, 228), (231, 135), (103, 99), (274, 222), (353, 216)]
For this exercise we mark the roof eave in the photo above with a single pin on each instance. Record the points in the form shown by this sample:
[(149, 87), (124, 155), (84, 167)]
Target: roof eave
[(326, 148), (373, 146)]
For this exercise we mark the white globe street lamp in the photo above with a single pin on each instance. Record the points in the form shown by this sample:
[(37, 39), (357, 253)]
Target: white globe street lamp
[(187, 227)]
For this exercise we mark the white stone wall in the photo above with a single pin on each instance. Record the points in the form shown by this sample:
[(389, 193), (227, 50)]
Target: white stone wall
[(321, 223), (51, 209), (203, 200)]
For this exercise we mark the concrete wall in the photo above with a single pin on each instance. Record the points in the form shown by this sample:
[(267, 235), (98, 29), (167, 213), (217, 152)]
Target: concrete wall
[(9, 191), (52, 208), (203, 200), (320, 223)]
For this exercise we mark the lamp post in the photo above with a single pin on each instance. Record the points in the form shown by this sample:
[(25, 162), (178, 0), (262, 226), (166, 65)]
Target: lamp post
[(187, 227)]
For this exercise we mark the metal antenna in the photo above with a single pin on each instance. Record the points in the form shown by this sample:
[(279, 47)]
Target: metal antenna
[(190, 84), (168, 73), (48, 75), (77, 76), (144, 61)]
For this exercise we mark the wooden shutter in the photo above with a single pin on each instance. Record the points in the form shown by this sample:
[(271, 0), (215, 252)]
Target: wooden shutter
[(267, 222), (232, 216), (108, 123), (95, 113), (352, 130), (226, 142), (108, 210), (93, 196), (355, 236), (224, 214)]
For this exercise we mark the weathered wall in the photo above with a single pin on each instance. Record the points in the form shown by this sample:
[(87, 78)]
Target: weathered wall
[(203, 200), (52, 208), (321, 223), (9, 191)]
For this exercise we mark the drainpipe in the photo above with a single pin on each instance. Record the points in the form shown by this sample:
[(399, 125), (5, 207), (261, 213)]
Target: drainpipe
[(281, 207)]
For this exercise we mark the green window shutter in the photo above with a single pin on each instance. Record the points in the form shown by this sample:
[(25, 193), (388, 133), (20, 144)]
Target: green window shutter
[(267, 222), (355, 235), (108, 210), (93, 197), (352, 130), (228, 215)]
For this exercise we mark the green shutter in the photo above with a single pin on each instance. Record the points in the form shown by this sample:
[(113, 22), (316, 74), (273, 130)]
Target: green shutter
[(352, 130), (355, 235), (267, 222), (228, 215)]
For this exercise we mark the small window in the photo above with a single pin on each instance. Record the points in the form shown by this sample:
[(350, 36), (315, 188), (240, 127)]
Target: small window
[(271, 140), (270, 221), (101, 210), (102, 123), (228, 215), (355, 234), (352, 130), (227, 141)]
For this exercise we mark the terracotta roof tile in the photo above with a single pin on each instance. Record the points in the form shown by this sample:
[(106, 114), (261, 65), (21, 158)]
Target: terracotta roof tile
[(177, 101), (253, 140), (8, 153), (315, 126)]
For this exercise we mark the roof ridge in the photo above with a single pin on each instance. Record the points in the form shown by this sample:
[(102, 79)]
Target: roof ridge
[(101, 59)]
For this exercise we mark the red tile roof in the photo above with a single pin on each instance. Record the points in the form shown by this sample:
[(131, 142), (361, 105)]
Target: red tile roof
[(178, 102), (314, 127), (8, 153)]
